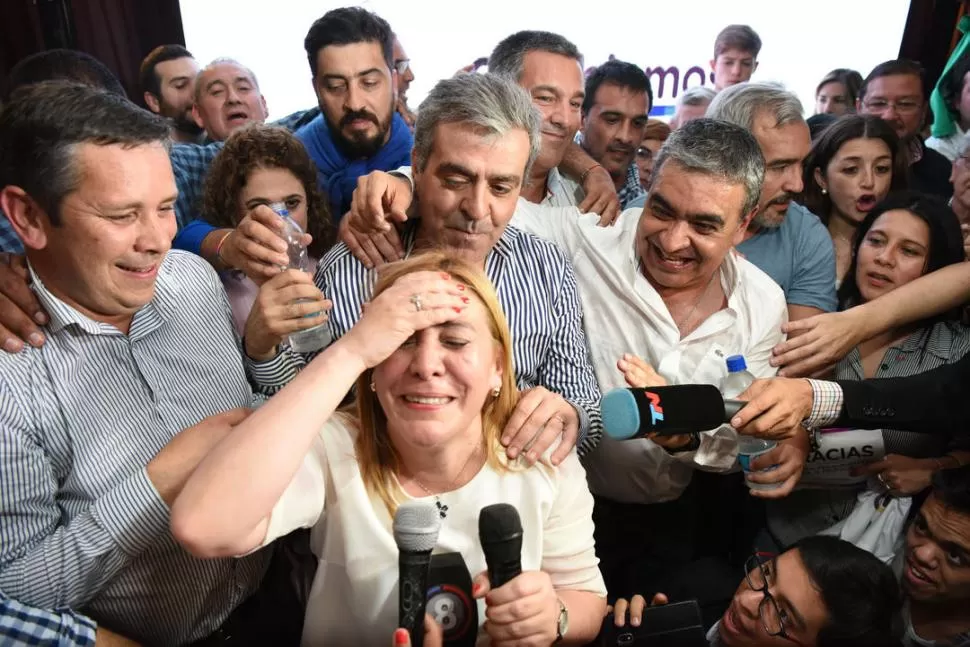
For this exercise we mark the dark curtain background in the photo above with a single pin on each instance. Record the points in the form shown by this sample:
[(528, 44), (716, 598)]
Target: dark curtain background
[(117, 32), (930, 33)]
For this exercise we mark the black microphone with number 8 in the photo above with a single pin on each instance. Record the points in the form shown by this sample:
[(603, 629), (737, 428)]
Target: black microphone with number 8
[(416, 527), (665, 410), (500, 531)]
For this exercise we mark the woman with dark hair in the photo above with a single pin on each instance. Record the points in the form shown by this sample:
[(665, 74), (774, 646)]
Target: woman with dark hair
[(904, 237), (837, 92), (852, 166), (260, 166)]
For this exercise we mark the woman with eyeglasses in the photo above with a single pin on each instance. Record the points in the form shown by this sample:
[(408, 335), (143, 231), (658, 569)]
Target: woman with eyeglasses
[(823, 592), (655, 134)]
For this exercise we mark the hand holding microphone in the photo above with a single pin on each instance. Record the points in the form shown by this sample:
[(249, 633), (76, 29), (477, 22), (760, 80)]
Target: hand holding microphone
[(665, 410), (520, 608), (433, 635), (416, 527)]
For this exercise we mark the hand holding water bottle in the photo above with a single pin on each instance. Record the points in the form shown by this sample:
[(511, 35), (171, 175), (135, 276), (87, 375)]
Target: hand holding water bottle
[(312, 337), (749, 449), (256, 246), (287, 304)]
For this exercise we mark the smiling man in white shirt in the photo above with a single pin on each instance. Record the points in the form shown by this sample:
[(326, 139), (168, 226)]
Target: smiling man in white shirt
[(663, 284)]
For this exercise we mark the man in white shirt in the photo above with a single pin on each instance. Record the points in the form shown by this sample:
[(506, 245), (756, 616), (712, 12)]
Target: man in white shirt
[(663, 284)]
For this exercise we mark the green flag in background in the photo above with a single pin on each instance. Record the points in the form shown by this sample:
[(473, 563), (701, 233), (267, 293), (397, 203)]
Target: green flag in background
[(943, 125)]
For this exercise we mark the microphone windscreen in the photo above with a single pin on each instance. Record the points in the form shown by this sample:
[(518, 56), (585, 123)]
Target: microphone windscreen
[(416, 526), (621, 416), (665, 410), (498, 522)]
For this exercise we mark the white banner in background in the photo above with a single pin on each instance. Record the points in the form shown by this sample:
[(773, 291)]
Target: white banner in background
[(673, 41)]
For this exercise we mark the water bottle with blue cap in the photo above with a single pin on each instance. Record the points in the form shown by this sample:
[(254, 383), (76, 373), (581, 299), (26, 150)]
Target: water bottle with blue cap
[(734, 384)]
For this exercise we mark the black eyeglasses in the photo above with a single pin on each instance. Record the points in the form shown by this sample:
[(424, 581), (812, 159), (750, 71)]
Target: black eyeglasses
[(757, 574)]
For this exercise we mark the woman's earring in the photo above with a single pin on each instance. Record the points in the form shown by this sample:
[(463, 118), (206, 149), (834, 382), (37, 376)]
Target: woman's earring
[(372, 387), (496, 391), (824, 191)]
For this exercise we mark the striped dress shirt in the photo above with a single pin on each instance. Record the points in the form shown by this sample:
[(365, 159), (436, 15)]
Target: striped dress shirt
[(537, 290), (81, 524)]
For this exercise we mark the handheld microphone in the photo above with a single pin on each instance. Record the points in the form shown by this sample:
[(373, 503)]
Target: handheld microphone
[(416, 527), (500, 531), (665, 410)]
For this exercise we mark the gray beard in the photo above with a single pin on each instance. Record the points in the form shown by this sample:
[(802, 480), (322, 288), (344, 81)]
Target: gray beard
[(761, 222)]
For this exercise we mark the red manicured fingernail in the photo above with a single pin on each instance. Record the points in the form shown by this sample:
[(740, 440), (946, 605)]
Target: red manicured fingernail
[(401, 637), (464, 300), (476, 588), (461, 286), (457, 309), (445, 275)]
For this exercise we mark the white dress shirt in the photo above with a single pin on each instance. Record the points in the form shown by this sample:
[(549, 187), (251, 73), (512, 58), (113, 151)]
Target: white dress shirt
[(354, 598), (623, 313)]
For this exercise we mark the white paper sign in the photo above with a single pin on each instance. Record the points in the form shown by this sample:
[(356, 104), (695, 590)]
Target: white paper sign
[(839, 451)]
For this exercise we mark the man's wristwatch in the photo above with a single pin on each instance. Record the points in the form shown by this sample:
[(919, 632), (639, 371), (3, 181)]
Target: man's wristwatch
[(562, 625)]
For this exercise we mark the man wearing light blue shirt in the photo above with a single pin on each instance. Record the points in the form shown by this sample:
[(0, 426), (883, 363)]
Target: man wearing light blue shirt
[(784, 240)]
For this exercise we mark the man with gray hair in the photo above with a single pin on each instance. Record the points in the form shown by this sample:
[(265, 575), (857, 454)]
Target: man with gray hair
[(691, 104), (475, 141), (227, 97), (662, 284), (785, 240)]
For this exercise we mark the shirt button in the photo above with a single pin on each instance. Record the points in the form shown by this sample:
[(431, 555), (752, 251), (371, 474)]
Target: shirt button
[(885, 367)]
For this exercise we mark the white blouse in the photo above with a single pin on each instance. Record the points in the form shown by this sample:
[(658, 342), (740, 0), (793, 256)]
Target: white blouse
[(354, 597)]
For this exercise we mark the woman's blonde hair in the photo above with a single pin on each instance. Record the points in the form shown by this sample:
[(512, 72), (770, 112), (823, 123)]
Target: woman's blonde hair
[(376, 455)]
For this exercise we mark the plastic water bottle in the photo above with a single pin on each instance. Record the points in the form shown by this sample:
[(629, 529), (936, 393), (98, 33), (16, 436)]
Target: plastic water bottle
[(311, 339), (734, 384)]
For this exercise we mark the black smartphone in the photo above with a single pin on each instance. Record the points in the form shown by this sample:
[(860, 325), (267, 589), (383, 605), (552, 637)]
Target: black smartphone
[(667, 625)]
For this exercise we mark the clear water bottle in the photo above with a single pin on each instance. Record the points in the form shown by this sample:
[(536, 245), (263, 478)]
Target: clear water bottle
[(734, 384), (318, 337)]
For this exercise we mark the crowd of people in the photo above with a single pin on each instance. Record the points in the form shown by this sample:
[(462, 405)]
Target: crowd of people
[(486, 265)]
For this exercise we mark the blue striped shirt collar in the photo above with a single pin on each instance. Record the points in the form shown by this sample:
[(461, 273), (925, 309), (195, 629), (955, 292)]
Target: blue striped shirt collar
[(62, 315)]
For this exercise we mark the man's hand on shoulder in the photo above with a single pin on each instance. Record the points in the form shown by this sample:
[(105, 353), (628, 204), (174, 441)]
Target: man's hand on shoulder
[(20, 311), (380, 202)]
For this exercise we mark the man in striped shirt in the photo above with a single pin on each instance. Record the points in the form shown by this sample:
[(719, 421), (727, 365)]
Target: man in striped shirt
[(141, 375), (468, 171)]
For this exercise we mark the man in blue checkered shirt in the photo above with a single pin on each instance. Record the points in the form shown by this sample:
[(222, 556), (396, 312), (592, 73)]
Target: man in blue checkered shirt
[(615, 113)]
